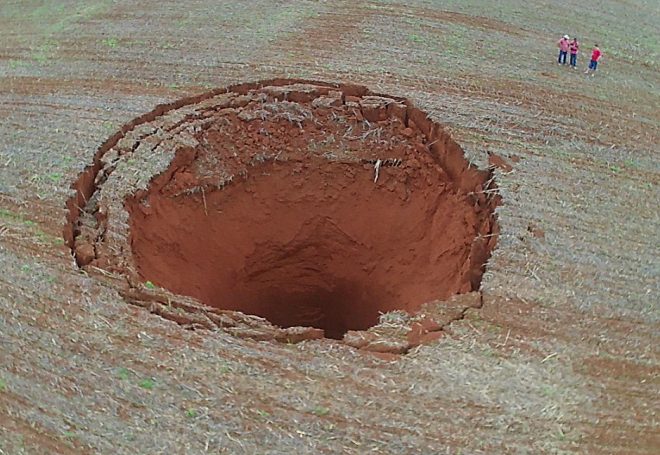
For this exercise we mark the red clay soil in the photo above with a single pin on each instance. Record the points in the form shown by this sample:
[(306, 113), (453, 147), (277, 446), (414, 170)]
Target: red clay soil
[(320, 210), (497, 161)]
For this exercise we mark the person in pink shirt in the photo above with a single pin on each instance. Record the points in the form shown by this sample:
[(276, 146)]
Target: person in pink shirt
[(596, 55), (574, 48), (563, 46)]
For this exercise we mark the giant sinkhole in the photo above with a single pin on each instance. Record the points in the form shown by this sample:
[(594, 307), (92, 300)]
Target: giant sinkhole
[(305, 203)]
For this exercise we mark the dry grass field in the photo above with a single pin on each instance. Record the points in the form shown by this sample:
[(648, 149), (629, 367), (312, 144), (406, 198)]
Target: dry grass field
[(562, 356)]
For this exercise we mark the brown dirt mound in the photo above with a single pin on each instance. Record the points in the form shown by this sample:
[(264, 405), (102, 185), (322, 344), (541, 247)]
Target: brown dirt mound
[(307, 204)]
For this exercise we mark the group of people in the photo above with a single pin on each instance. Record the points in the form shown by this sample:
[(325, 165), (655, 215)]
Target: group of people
[(566, 46)]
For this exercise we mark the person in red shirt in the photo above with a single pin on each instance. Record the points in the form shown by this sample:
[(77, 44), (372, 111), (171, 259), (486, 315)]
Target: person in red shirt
[(596, 54), (563, 44), (574, 48)]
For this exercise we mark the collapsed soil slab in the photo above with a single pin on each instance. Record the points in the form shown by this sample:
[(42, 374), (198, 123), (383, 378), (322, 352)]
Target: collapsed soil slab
[(305, 203)]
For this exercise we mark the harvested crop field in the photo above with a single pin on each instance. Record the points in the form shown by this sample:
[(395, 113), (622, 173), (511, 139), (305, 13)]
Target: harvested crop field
[(407, 238)]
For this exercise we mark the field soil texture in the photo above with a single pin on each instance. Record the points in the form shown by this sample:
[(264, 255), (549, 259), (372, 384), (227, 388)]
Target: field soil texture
[(110, 343)]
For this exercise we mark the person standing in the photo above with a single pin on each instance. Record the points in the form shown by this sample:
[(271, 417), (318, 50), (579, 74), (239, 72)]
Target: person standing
[(596, 55), (563, 46), (574, 48)]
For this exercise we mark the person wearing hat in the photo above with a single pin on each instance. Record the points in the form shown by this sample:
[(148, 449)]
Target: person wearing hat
[(563, 46)]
